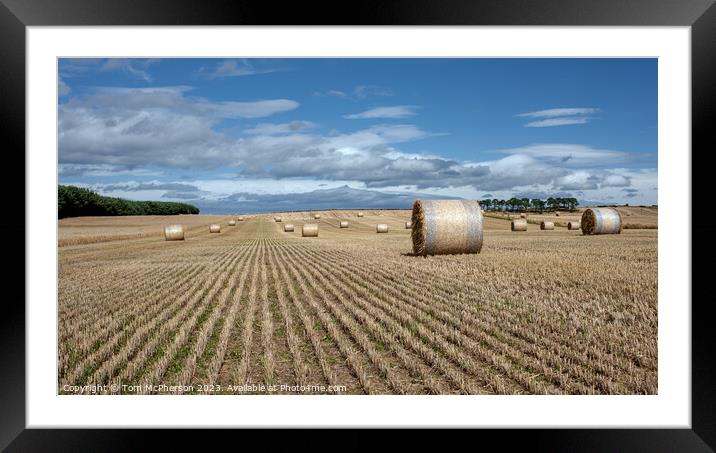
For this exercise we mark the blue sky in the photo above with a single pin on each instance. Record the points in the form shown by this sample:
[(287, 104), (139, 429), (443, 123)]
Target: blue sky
[(243, 135)]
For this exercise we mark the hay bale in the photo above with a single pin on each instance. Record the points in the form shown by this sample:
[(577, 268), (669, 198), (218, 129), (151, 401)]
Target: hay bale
[(174, 233), (343, 224), (215, 228), (316, 216), (518, 225), (446, 227), (381, 228), (573, 225), (240, 219), (360, 214), (232, 222), (288, 227), (278, 219), (601, 221), (408, 225), (523, 216), (309, 230), (544, 225)]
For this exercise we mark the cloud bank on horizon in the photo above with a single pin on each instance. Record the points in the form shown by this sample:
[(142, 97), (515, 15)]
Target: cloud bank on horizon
[(269, 135)]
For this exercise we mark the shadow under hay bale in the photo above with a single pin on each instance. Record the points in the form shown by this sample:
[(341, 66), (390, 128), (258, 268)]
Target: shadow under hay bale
[(601, 221), (309, 230), (174, 233), (442, 227), (544, 225), (518, 225)]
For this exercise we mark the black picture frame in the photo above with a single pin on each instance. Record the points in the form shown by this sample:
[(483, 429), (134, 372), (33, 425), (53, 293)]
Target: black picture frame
[(16, 15)]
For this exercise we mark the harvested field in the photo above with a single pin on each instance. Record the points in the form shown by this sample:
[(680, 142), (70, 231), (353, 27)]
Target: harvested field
[(557, 313)]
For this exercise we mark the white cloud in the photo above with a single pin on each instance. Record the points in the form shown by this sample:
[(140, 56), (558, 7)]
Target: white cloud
[(133, 67), (557, 122), (62, 88), (398, 111), (234, 68), (359, 92), (571, 155), (559, 117), (553, 113), (284, 128)]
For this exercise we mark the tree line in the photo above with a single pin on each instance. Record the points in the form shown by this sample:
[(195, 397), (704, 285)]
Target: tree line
[(526, 204), (75, 201)]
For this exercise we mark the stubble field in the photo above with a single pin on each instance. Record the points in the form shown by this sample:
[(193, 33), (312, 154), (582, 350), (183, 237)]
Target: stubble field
[(352, 311)]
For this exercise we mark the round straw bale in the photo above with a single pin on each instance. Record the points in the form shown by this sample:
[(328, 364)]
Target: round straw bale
[(546, 225), (601, 221), (232, 222), (573, 225), (278, 219), (523, 216), (288, 227), (240, 219), (408, 225), (360, 214), (344, 224), (215, 228), (174, 233), (309, 230), (518, 225), (381, 228), (316, 216), (446, 227)]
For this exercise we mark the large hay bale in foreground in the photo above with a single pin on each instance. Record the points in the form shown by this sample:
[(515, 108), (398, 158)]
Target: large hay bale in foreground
[(408, 225), (443, 227), (215, 228), (518, 225), (174, 233), (546, 225), (381, 228), (232, 222), (574, 225), (360, 214), (343, 224), (316, 216), (288, 227), (309, 230), (601, 221)]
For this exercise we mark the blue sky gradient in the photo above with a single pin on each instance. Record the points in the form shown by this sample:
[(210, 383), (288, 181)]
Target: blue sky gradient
[(245, 135)]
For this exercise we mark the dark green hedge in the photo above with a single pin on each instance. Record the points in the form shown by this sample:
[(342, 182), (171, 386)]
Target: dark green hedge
[(75, 201)]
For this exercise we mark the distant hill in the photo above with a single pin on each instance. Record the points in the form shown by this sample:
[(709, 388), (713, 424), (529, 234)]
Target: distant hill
[(75, 202)]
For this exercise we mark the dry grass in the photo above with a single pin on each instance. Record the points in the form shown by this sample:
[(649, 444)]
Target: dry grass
[(557, 313)]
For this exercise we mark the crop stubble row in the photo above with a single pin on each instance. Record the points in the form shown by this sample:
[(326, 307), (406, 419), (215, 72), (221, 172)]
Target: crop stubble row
[(264, 307)]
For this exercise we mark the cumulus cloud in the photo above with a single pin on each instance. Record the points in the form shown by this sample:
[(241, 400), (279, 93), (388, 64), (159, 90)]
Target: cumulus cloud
[(559, 117), (343, 197), (397, 111)]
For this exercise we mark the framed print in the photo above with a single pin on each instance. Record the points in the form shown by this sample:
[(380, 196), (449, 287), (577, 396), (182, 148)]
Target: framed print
[(418, 218)]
